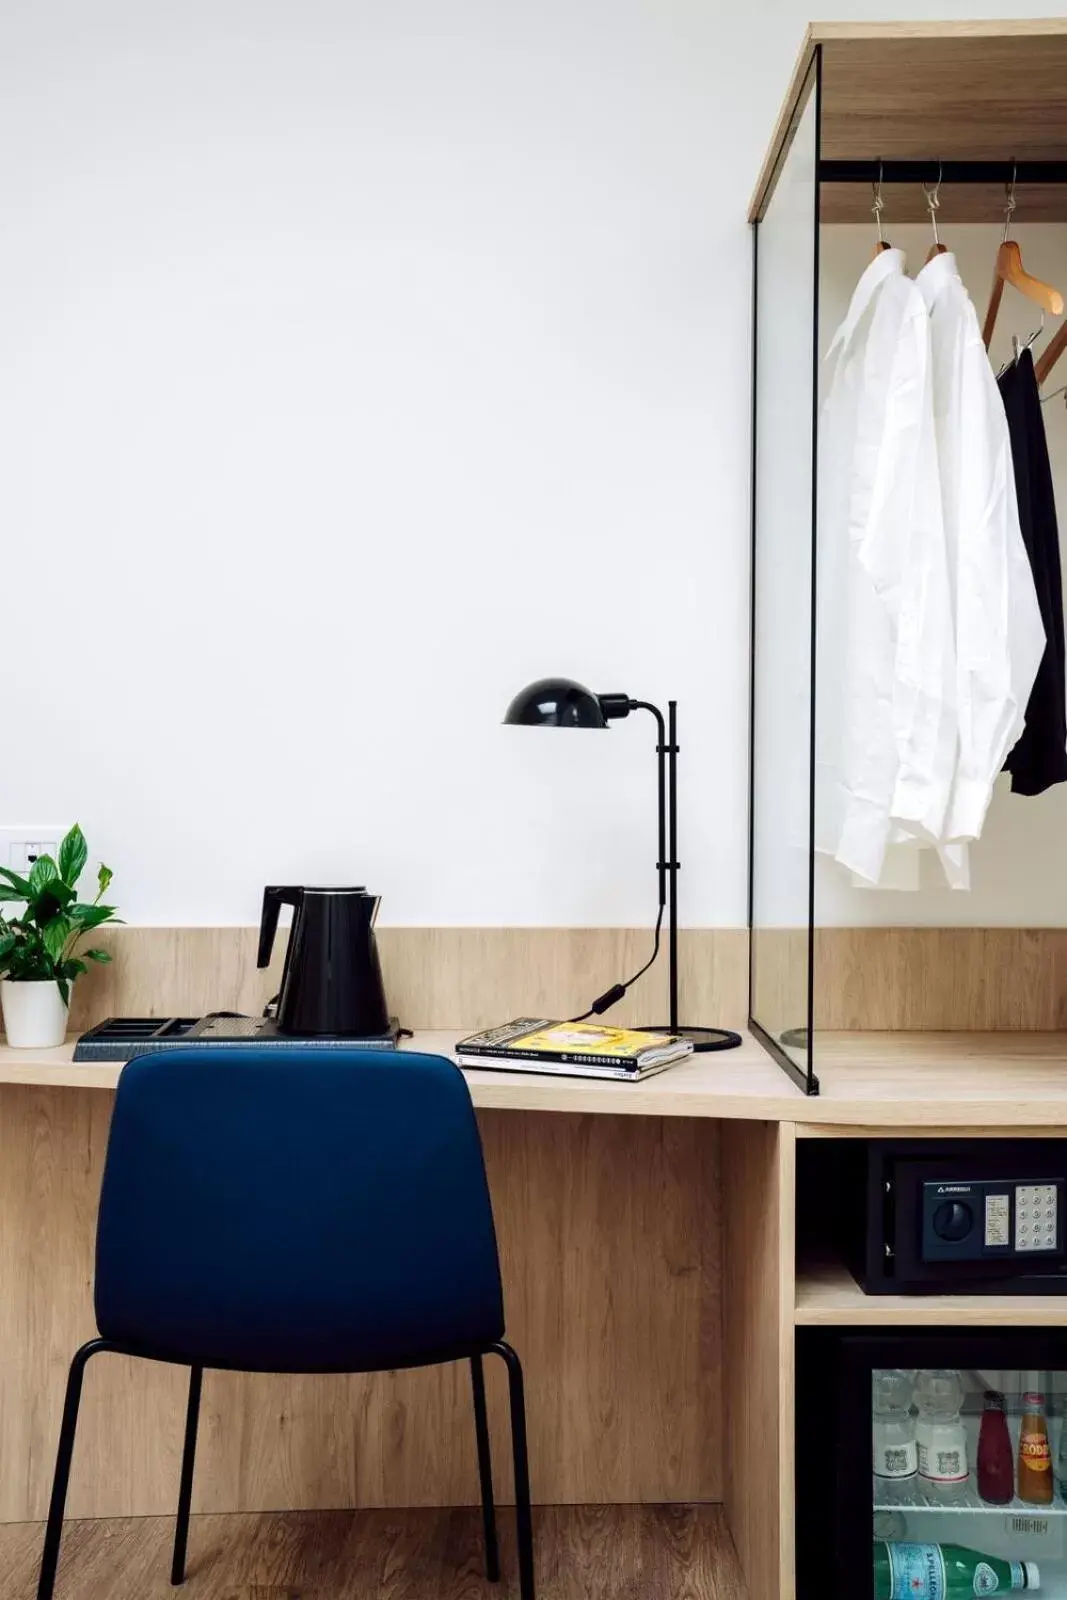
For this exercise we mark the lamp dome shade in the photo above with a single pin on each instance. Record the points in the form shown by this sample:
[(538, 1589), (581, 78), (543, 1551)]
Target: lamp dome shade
[(555, 703)]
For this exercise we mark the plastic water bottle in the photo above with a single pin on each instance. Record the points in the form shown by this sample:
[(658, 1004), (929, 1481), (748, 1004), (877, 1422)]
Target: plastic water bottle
[(940, 1435), (894, 1453), (945, 1572)]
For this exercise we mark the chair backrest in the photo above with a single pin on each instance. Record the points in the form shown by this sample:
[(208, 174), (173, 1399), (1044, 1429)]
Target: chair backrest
[(293, 1209)]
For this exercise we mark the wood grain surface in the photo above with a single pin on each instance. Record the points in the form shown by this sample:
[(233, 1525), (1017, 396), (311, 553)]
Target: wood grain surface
[(872, 979), (759, 1186), (462, 978), (976, 979), (827, 1295), (583, 1553), (610, 1243), (967, 90), (466, 978)]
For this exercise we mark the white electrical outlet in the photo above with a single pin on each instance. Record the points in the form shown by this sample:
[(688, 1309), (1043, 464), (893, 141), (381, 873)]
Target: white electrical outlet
[(20, 847)]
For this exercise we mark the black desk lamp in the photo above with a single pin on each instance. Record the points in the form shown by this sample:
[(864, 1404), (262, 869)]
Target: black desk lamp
[(561, 703)]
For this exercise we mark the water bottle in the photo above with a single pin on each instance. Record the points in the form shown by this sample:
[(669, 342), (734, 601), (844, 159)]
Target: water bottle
[(894, 1452), (940, 1436), (945, 1572)]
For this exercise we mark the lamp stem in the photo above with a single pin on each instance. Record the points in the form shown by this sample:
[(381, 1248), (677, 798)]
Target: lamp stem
[(672, 857), (667, 821)]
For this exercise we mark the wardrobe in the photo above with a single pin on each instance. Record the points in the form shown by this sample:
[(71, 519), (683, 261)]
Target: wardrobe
[(903, 134)]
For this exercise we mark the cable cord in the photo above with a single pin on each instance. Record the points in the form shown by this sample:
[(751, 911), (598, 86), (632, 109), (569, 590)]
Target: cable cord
[(612, 996)]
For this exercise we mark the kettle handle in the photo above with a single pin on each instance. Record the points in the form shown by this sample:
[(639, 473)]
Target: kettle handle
[(273, 900)]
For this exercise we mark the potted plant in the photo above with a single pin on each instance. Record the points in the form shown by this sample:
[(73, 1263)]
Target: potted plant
[(38, 962)]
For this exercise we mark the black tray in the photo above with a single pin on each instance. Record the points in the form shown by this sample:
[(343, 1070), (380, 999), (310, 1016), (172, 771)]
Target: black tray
[(122, 1038)]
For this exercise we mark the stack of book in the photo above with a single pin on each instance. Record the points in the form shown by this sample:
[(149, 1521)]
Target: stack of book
[(573, 1049)]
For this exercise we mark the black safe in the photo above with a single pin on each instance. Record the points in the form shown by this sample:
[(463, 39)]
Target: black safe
[(950, 1216)]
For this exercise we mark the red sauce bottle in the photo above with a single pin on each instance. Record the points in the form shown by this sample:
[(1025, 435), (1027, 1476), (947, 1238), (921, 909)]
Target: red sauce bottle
[(996, 1464)]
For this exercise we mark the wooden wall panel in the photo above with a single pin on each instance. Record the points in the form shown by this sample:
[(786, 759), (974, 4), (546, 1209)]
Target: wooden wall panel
[(941, 978), (610, 1240), (915, 979), (435, 977)]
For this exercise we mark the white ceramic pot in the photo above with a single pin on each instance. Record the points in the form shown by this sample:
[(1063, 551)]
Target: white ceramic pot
[(35, 1013)]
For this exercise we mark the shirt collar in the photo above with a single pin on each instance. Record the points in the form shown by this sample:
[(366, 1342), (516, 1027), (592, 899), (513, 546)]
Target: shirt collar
[(938, 271), (885, 264)]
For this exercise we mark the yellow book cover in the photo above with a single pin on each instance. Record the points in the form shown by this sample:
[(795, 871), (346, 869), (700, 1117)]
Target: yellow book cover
[(540, 1039)]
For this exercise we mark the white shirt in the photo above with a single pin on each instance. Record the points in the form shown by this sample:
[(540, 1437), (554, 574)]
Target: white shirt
[(1000, 637), (885, 665)]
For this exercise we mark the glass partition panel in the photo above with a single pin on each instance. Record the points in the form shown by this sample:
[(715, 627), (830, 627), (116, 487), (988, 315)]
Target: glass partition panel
[(782, 624)]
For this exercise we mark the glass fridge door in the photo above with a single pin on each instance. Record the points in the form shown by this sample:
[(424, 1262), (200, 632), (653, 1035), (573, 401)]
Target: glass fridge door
[(966, 1458)]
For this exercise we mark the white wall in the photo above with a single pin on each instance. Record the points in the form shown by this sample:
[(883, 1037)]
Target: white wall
[(359, 363)]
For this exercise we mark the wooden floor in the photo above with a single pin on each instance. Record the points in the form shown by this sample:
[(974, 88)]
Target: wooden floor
[(583, 1553)]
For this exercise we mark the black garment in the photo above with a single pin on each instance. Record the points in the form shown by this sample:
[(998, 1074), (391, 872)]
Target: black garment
[(1040, 758)]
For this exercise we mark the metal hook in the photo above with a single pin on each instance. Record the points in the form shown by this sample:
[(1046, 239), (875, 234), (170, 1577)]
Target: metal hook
[(1017, 345), (1009, 190), (933, 201), (879, 202), (1038, 331), (1045, 398)]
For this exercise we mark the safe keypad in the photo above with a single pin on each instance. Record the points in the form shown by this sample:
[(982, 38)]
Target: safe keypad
[(1035, 1217)]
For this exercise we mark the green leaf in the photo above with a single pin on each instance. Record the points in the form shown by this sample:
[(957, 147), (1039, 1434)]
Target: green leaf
[(21, 884), (55, 935), (104, 877), (102, 956), (73, 854), (85, 916), (43, 871), (71, 969), (63, 985), (8, 942), (7, 894)]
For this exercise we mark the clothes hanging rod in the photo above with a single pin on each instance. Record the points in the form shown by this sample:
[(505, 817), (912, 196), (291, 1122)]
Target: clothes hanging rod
[(950, 172)]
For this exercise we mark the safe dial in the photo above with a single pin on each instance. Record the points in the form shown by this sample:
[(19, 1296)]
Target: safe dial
[(953, 1220)]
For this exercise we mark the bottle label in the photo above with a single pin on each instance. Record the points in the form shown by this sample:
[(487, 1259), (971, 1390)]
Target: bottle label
[(896, 1460), (1034, 1451), (985, 1579), (943, 1465), (916, 1572)]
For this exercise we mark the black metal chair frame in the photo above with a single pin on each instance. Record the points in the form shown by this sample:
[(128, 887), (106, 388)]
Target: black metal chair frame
[(524, 1527)]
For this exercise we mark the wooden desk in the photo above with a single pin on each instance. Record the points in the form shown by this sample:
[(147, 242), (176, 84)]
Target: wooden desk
[(648, 1246), (880, 1081)]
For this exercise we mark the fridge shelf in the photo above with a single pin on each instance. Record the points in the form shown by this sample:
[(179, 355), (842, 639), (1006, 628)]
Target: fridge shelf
[(966, 1500)]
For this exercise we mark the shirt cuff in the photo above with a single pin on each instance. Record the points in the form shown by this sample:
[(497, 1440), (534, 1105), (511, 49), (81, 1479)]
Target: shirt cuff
[(920, 808), (970, 802)]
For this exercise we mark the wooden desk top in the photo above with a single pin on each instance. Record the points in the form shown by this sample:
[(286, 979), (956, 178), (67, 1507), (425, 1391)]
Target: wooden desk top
[(915, 1081)]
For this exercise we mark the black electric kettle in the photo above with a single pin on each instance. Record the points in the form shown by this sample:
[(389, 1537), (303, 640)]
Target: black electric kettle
[(332, 979)]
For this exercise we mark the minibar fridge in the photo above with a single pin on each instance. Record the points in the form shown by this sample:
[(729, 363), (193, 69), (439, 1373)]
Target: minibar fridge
[(931, 1463)]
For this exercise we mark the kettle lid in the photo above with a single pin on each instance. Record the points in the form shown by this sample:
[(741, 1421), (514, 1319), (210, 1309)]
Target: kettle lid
[(360, 888)]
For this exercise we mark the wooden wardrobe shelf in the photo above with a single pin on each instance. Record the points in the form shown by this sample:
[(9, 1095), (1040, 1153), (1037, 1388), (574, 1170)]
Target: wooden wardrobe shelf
[(827, 1296)]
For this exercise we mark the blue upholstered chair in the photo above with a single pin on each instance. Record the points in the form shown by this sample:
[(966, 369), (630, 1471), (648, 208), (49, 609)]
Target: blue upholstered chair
[(280, 1209)]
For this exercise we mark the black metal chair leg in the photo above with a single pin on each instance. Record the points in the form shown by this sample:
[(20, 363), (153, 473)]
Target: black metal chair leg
[(64, 1455), (485, 1471), (523, 1519), (185, 1488)]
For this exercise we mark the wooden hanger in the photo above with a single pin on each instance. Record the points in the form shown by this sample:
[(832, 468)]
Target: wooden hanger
[(933, 200), (1010, 269), (1051, 354)]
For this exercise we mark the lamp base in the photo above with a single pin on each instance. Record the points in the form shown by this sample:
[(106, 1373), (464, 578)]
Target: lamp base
[(700, 1038)]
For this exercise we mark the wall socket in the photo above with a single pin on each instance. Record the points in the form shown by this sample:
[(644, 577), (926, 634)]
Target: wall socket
[(20, 847)]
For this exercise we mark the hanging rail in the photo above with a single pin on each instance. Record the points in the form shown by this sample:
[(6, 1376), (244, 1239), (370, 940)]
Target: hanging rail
[(950, 172)]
